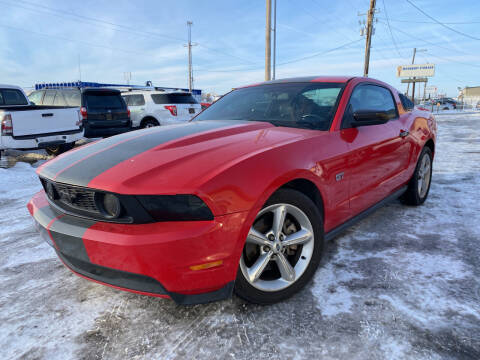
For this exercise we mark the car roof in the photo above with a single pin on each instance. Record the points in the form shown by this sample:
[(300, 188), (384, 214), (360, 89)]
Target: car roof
[(95, 89), (5, 86), (305, 79), (154, 92)]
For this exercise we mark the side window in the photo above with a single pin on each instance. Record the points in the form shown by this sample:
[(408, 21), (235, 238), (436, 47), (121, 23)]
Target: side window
[(36, 97), (49, 97), (406, 102), (59, 100), (136, 100), (371, 98), (127, 99)]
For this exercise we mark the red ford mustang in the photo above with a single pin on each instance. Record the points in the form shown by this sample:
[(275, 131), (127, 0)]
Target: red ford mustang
[(240, 199)]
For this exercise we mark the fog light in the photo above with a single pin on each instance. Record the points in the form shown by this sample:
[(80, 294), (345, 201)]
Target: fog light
[(111, 205)]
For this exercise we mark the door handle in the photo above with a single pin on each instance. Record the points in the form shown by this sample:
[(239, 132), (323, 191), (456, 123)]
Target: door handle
[(47, 114), (404, 133)]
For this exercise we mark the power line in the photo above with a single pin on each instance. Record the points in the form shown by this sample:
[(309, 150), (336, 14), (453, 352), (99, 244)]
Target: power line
[(423, 40), (76, 41), (433, 22), (440, 23), (46, 9), (321, 53), (116, 27), (443, 47), (390, 29), (289, 61)]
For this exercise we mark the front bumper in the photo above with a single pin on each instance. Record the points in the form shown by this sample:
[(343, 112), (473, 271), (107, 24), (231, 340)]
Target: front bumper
[(151, 259)]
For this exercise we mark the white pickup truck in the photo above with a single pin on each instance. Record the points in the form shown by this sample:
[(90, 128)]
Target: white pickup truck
[(25, 125)]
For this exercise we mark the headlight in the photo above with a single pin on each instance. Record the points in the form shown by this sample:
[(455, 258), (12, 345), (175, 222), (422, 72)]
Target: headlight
[(175, 207), (111, 206)]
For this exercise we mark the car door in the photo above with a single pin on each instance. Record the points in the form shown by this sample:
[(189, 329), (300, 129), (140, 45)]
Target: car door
[(374, 150), (136, 104)]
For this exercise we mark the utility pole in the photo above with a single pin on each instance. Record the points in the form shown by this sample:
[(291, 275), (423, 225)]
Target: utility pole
[(274, 38), (408, 85), (190, 44), (268, 51), (368, 42)]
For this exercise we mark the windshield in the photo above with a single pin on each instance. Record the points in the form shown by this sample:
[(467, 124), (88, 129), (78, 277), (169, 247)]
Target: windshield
[(299, 105)]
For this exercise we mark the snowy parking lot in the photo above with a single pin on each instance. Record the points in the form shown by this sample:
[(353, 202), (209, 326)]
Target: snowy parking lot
[(402, 284)]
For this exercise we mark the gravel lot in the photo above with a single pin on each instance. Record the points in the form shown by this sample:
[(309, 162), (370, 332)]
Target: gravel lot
[(402, 284)]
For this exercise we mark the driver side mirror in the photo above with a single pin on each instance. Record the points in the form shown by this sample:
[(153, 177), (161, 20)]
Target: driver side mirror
[(370, 117)]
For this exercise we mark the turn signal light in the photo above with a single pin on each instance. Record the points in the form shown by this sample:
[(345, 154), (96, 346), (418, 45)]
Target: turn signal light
[(206, 265)]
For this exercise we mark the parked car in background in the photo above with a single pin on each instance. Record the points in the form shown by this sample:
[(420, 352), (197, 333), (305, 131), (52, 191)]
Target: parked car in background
[(103, 111), (154, 108), (446, 104), (25, 125), (241, 198)]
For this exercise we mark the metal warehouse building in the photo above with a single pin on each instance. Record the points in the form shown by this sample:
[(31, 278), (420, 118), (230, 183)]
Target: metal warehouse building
[(470, 95)]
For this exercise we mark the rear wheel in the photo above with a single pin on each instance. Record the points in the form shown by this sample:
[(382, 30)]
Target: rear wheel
[(149, 123), (419, 184), (59, 149), (282, 250)]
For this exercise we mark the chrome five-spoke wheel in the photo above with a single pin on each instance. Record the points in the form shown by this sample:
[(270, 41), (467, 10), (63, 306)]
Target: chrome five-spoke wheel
[(280, 248)]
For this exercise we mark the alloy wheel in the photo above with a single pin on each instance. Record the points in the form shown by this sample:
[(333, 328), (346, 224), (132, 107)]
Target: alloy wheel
[(278, 248)]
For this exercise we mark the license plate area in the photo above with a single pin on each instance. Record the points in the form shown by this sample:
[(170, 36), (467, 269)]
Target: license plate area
[(108, 117)]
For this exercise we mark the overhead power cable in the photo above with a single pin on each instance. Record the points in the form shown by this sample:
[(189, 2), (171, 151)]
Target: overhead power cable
[(78, 41), (390, 30), (423, 40), (35, 7), (441, 23), (430, 22), (289, 61)]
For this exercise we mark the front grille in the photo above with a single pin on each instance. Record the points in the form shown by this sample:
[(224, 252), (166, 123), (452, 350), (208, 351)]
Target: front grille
[(76, 198), (71, 197)]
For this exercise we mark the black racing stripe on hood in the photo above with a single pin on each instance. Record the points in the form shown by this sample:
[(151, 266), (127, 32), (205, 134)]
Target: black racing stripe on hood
[(85, 171), (51, 169)]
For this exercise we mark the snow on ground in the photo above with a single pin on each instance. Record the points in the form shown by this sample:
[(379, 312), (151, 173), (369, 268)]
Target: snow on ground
[(404, 283)]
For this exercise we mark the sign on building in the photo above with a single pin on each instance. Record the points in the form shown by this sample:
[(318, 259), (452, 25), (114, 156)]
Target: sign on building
[(416, 70)]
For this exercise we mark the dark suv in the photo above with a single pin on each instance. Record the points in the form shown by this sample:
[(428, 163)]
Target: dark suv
[(103, 111)]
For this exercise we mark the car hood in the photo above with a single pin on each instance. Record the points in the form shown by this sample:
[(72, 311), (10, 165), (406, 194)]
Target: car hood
[(170, 159)]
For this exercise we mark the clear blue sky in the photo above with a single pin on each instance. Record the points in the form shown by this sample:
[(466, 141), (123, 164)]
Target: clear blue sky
[(44, 41)]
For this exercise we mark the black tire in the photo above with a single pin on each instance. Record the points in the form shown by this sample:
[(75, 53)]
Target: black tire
[(245, 290), (59, 149), (413, 196), (150, 122)]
